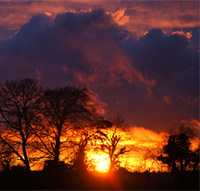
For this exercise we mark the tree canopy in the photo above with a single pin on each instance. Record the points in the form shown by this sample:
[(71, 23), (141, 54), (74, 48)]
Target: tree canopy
[(177, 154)]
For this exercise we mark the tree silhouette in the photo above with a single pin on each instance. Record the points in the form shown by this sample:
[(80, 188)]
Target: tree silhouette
[(195, 160), (18, 106), (6, 157), (81, 139), (110, 138), (85, 136), (64, 109), (177, 154)]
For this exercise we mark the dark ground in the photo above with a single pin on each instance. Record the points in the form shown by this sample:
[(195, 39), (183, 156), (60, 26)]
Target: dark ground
[(121, 180)]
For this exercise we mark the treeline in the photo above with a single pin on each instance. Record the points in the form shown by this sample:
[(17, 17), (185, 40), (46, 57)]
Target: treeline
[(39, 124)]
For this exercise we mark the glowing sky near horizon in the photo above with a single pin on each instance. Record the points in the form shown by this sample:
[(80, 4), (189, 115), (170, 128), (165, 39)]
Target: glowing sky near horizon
[(143, 148)]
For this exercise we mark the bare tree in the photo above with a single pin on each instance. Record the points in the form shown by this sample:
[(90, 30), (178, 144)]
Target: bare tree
[(80, 141), (18, 106), (84, 138), (110, 138), (64, 109)]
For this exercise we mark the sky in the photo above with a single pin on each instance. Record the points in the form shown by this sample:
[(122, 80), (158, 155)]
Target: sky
[(139, 58)]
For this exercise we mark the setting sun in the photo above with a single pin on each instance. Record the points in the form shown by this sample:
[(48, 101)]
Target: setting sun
[(101, 162), (102, 167)]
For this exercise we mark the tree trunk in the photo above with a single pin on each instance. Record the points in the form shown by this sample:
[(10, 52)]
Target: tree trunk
[(174, 168), (111, 165), (182, 166), (26, 162), (196, 162), (57, 147)]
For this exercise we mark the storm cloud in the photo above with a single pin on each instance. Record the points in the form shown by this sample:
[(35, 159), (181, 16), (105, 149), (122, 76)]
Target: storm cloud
[(152, 81)]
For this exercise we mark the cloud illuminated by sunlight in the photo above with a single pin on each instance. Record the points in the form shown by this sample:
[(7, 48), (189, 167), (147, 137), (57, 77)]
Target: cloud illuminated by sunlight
[(120, 18)]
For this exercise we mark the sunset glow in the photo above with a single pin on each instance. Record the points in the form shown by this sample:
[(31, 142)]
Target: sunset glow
[(102, 167), (101, 162), (104, 94)]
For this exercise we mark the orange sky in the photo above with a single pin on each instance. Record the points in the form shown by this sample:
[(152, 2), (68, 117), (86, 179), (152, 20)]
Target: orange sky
[(144, 146)]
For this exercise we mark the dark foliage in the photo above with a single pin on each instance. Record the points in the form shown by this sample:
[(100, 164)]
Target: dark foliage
[(177, 154), (53, 167)]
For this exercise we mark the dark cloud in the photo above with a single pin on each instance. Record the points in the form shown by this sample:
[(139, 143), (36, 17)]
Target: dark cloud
[(147, 80), (166, 58), (195, 39), (6, 33), (170, 61), (83, 43)]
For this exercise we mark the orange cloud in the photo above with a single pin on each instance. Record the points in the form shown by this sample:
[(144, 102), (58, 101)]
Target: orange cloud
[(120, 18), (137, 16), (165, 15), (187, 35)]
